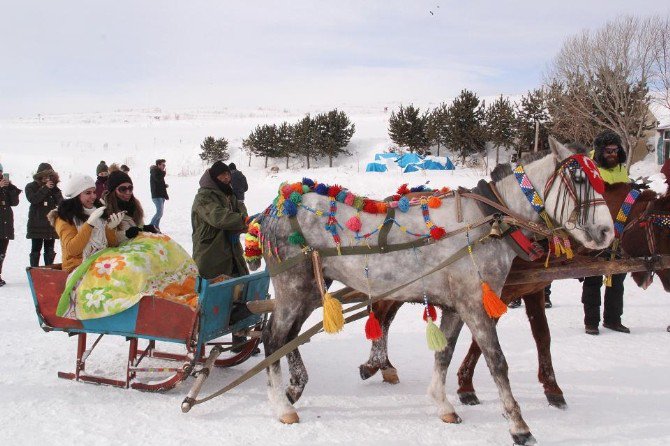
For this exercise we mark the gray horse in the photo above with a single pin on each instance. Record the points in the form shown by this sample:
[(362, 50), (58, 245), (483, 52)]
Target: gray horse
[(455, 289)]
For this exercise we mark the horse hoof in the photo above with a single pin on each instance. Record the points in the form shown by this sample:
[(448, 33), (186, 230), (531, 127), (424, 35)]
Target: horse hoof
[(367, 371), (556, 400), (451, 418), (390, 376), (469, 398), (289, 418), (524, 439)]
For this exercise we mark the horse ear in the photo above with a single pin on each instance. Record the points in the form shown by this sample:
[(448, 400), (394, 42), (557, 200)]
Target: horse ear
[(559, 150)]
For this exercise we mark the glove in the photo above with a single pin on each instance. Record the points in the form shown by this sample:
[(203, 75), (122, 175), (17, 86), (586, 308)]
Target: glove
[(150, 228), (115, 220), (132, 232), (639, 186), (95, 216)]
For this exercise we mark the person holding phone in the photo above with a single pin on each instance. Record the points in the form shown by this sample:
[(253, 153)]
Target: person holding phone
[(9, 196), (81, 222), (119, 198), (44, 195)]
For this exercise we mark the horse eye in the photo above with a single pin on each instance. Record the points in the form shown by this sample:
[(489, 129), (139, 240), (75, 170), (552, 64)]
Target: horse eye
[(579, 177)]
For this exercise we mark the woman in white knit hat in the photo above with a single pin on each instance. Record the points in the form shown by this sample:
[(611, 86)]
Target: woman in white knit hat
[(81, 223)]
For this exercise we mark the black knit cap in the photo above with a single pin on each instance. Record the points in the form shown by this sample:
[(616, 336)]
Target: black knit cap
[(116, 178), (218, 168)]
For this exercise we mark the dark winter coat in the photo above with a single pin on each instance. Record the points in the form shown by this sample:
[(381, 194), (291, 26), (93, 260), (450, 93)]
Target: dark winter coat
[(9, 196), (217, 220), (100, 186), (42, 201), (157, 182), (239, 184)]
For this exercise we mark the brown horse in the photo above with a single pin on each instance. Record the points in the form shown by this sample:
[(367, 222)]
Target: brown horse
[(634, 243)]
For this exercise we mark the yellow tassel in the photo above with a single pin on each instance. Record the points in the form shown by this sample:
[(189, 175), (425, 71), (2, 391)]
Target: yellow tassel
[(434, 336), (608, 280), (333, 319), (492, 304)]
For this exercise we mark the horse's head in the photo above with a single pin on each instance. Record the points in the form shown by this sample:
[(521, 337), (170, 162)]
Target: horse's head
[(573, 198), (661, 233)]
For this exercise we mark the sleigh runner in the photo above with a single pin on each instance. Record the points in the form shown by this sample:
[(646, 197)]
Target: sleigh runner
[(158, 320)]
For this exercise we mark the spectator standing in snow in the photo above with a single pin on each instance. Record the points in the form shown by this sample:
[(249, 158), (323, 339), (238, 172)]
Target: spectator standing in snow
[(102, 171), (610, 157), (44, 195), (9, 196), (158, 191), (239, 182)]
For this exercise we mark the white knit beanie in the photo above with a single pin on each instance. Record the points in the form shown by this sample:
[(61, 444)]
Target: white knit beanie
[(77, 184)]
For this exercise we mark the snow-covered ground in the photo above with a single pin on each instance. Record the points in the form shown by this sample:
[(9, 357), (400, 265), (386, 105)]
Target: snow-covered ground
[(616, 385)]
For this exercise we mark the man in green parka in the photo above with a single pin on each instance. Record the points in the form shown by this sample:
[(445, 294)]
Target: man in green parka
[(218, 219)]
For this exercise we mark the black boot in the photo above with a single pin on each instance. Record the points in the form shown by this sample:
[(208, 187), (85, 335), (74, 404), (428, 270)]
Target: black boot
[(2, 259), (49, 257), (35, 259)]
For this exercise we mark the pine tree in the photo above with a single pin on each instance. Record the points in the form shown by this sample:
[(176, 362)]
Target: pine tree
[(284, 142), (436, 125), (304, 138), (500, 124), (333, 133), (531, 109), (214, 149), (465, 127), (407, 128), (263, 142)]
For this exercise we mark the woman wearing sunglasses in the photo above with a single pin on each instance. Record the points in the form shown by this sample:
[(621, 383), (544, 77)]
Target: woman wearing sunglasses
[(119, 198)]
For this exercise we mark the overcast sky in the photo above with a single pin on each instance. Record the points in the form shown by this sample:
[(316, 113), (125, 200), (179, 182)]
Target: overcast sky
[(93, 55)]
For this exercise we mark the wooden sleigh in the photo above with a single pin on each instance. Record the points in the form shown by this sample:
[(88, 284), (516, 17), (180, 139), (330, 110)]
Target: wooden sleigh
[(154, 319)]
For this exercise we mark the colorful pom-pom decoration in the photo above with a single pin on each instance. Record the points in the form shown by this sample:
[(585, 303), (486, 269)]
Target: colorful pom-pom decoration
[(286, 191), (437, 232), (434, 202), (354, 224), (296, 238), (307, 182), (402, 190), (295, 197), (403, 204), (334, 190), (493, 305), (305, 189), (321, 189), (290, 208), (349, 199)]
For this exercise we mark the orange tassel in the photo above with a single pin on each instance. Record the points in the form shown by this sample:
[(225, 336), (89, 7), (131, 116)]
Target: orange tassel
[(492, 304), (373, 330), (434, 202)]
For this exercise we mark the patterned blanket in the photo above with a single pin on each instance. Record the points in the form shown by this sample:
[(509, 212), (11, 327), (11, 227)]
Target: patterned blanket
[(114, 279)]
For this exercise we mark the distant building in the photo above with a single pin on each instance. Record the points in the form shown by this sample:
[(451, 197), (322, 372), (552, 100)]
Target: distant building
[(663, 145)]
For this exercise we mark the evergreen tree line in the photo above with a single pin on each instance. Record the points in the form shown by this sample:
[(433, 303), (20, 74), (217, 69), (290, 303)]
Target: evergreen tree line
[(325, 135), (467, 124)]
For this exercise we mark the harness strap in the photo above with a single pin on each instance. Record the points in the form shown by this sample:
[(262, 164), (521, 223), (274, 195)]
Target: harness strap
[(386, 228)]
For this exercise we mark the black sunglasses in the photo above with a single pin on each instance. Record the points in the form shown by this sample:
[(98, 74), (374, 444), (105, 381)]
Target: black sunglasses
[(124, 189)]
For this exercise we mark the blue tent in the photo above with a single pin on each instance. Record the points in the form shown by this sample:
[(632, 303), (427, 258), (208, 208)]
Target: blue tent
[(411, 168), (384, 156), (432, 165), (408, 158), (375, 167), (449, 165)]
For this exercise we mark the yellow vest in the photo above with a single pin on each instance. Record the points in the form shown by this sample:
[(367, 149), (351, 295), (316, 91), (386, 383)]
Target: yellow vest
[(616, 174)]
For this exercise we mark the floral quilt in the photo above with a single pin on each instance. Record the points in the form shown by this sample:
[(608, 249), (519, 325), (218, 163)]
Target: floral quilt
[(115, 279)]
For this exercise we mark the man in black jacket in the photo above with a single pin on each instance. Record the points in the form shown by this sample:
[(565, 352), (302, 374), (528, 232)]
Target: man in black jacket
[(43, 195), (238, 182), (158, 190)]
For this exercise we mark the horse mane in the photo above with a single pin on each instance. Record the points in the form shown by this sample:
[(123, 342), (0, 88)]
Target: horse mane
[(504, 170)]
